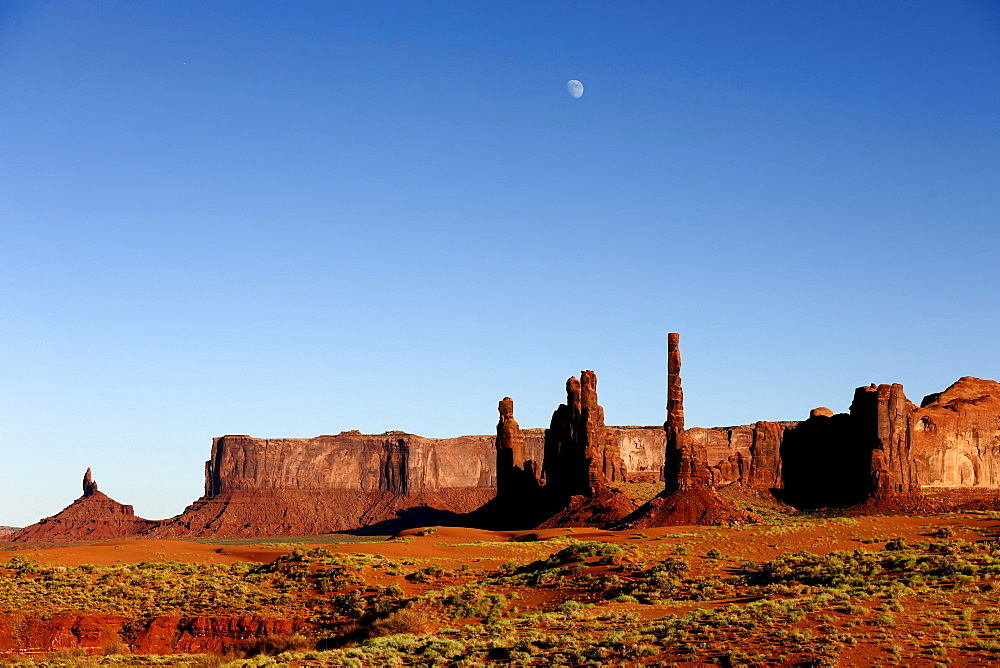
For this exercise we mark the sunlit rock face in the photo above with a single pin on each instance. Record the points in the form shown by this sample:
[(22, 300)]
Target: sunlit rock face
[(955, 437)]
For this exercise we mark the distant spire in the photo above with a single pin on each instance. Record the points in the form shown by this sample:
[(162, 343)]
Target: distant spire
[(89, 486)]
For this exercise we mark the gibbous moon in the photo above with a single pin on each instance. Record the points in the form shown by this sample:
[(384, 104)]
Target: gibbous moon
[(574, 87)]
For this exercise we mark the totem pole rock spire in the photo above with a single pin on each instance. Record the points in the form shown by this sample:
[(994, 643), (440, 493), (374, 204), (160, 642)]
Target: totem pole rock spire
[(89, 486), (688, 496), (677, 465), (516, 475)]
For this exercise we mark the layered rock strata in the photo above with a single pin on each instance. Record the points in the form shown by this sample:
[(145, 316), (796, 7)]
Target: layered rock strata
[(328, 484), (92, 634)]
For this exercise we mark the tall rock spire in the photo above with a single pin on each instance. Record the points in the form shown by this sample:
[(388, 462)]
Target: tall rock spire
[(678, 465), (89, 486), (516, 475), (688, 496)]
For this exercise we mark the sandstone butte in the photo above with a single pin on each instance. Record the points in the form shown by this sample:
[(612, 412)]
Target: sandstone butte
[(884, 455)]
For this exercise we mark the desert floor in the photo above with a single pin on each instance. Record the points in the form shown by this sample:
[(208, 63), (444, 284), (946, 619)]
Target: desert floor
[(803, 591)]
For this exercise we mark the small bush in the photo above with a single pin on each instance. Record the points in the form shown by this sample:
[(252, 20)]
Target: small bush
[(276, 644), (406, 620)]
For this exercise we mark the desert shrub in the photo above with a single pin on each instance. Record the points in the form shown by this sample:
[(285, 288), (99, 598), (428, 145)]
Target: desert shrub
[(404, 620), (836, 568), (511, 567), (473, 601), (277, 644), (425, 574), (895, 544)]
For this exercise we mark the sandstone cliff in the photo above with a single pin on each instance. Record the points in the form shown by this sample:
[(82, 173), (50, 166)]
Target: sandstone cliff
[(327, 484), (6, 531), (955, 438), (26, 634)]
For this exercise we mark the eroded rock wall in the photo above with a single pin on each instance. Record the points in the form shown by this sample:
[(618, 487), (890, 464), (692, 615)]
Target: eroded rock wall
[(955, 437), (394, 462)]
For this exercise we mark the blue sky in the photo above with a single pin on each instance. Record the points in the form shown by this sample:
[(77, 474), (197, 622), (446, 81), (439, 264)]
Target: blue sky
[(288, 219)]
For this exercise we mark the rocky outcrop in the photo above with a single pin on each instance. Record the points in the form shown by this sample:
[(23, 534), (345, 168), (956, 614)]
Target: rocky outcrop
[(882, 417), (888, 455), (694, 467), (89, 486), (581, 454), (581, 460), (516, 474), (93, 516), (393, 462), (351, 481), (955, 438), (29, 635), (885, 454)]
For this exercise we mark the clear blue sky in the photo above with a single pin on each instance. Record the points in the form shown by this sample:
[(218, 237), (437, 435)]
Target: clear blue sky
[(291, 219)]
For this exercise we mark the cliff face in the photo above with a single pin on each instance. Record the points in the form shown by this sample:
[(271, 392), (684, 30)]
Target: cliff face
[(391, 481), (748, 455), (395, 463), (955, 438), (642, 450)]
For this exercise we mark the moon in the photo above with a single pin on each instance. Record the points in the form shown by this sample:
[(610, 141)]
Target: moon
[(574, 87)]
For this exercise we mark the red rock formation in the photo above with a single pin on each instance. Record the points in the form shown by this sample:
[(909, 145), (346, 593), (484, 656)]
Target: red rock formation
[(689, 495), (581, 457), (765, 456), (955, 438), (745, 455), (886, 453), (193, 635), (327, 484), (94, 516), (642, 451), (882, 414), (89, 486), (31, 635), (678, 460), (516, 475), (581, 454)]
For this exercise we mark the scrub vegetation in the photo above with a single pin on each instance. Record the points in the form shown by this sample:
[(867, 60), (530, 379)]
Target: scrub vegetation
[(923, 598)]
